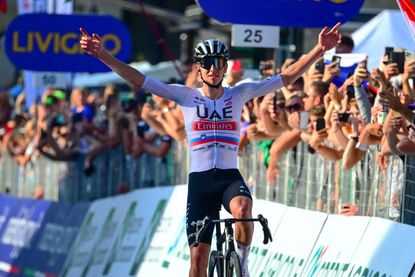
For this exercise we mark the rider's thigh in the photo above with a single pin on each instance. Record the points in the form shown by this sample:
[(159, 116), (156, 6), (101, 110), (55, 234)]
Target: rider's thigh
[(236, 192)]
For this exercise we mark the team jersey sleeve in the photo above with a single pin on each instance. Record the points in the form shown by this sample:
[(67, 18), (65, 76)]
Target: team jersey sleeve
[(174, 92), (248, 91)]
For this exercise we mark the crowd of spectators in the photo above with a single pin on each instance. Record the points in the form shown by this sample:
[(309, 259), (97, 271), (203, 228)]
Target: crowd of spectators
[(64, 126), (338, 120)]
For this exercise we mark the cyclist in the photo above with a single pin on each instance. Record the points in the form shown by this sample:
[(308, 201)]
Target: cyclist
[(212, 115)]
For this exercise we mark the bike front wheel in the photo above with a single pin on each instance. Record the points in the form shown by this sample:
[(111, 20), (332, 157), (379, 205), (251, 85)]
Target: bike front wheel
[(233, 268), (215, 268)]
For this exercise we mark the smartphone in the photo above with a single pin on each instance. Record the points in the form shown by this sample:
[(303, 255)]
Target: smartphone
[(320, 124), (350, 92), (252, 118), (344, 117), (382, 117), (337, 59), (388, 51), (399, 58), (320, 66), (274, 103), (303, 120), (410, 55)]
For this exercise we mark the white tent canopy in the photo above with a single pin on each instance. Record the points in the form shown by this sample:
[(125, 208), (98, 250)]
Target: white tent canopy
[(163, 71), (388, 28)]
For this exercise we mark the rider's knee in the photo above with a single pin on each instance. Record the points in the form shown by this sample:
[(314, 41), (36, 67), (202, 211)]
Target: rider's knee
[(242, 211)]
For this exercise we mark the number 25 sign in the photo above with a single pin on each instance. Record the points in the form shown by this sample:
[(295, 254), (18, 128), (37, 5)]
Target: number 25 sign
[(255, 36)]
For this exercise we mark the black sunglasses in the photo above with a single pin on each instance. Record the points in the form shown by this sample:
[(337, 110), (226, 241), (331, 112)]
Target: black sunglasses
[(217, 62), (293, 108)]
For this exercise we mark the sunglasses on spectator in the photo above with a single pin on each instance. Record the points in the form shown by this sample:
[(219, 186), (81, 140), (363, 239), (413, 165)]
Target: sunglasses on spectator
[(293, 108), (217, 62)]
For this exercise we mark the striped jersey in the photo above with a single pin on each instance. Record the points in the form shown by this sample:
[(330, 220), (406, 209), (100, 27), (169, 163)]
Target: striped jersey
[(212, 126)]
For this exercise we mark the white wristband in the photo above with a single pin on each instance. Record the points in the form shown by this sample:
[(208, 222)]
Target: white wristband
[(362, 147)]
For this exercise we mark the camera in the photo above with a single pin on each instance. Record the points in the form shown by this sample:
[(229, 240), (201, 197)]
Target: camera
[(350, 92), (396, 55), (336, 59), (344, 117), (320, 124), (319, 66)]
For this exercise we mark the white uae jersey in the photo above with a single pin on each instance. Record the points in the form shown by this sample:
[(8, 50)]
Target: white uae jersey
[(212, 126)]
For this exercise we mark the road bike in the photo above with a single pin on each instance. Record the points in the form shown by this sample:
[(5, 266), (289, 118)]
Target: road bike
[(227, 263)]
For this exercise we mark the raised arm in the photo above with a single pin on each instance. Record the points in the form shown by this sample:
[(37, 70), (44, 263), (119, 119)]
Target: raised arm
[(327, 39), (93, 46)]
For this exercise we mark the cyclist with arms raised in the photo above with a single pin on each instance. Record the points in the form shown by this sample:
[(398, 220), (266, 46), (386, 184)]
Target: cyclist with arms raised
[(212, 114)]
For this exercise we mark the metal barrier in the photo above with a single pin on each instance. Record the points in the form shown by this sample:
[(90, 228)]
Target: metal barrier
[(66, 181), (308, 181), (305, 180)]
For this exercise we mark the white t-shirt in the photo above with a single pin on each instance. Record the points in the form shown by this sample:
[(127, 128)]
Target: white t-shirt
[(212, 126)]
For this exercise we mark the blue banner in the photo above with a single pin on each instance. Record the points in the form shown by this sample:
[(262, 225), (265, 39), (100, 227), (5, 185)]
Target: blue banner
[(45, 42), (18, 234), (285, 13), (8, 208), (53, 241)]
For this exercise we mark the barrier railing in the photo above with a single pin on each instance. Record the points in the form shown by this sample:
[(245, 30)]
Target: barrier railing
[(66, 181), (309, 181), (305, 180)]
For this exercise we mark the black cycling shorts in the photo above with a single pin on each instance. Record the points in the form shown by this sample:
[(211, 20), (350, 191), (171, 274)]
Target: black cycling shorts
[(207, 191)]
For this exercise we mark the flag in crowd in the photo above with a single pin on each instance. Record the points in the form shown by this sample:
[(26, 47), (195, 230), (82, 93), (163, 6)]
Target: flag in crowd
[(408, 10)]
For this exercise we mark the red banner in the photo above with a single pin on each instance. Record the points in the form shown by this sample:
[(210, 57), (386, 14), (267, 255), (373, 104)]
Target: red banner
[(3, 6), (408, 10)]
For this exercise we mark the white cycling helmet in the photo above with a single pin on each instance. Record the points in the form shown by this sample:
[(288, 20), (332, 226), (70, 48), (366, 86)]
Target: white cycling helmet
[(210, 47)]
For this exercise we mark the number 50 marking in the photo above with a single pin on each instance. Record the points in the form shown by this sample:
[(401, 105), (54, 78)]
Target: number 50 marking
[(253, 35)]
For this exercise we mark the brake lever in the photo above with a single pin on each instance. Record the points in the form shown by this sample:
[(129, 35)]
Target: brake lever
[(200, 228), (265, 228)]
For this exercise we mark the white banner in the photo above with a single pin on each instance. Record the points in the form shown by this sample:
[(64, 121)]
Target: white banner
[(45, 6), (143, 233), (100, 212), (336, 245), (138, 229), (293, 242), (274, 212), (387, 249), (168, 252), (255, 36)]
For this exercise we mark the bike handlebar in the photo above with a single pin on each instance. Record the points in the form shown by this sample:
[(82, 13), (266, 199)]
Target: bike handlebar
[(201, 226)]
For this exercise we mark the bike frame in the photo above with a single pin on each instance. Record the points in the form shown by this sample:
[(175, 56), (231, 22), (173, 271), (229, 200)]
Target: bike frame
[(221, 238), (226, 237)]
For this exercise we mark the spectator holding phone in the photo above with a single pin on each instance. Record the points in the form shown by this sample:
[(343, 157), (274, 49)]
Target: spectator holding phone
[(318, 135), (409, 72), (361, 74)]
